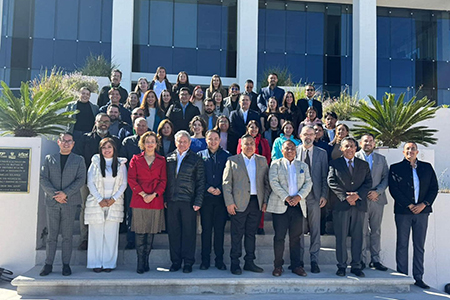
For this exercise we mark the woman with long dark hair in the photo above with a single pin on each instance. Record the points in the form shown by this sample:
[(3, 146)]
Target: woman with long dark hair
[(342, 131), (107, 181), (273, 132), (287, 133), (153, 114), (182, 81), (160, 82), (165, 101), (272, 108), (132, 101), (147, 179), (197, 98), (228, 139), (197, 127), (311, 118), (220, 107), (216, 86), (289, 111), (166, 138)]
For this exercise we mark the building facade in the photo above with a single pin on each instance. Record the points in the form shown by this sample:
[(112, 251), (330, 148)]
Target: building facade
[(354, 45)]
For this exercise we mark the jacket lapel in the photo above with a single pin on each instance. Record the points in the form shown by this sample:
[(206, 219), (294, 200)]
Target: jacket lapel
[(241, 162)]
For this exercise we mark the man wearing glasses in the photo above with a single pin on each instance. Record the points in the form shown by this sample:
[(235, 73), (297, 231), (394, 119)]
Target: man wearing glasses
[(62, 176), (309, 101), (88, 147), (232, 101)]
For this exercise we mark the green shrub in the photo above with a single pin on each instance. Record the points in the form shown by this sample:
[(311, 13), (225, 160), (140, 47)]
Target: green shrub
[(344, 106), (97, 65), (284, 76)]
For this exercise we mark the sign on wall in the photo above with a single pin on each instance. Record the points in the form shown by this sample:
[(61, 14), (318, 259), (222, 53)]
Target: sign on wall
[(15, 170)]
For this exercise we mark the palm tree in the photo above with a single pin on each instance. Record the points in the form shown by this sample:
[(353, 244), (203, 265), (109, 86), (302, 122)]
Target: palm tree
[(393, 121), (29, 116)]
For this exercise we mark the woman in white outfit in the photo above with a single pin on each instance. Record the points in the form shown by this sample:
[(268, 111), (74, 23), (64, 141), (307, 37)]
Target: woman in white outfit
[(107, 181)]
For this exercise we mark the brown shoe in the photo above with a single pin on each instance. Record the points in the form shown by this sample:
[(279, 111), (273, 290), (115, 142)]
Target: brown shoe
[(277, 271), (299, 271)]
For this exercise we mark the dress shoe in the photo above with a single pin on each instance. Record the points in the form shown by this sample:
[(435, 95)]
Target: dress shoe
[(83, 246), (221, 266), (299, 271), (277, 271), (204, 266), (358, 272), (315, 267), (378, 266), (187, 269), (260, 231), (421, 284), (340, 272), (174, 268), (66, 271), (363, 266), (97, 270), (250, 266), (108, 270), (235, 270), (47, 269), (130, 246)]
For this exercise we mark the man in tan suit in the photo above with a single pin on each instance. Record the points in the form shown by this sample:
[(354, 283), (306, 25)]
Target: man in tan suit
[(291, 183), (245, 190)]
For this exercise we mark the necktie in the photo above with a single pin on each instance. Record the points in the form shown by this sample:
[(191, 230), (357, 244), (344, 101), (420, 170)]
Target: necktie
[(350, 167), (308, 160)]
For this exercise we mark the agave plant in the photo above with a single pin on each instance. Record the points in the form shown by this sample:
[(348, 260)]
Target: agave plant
[(29, 116), (394, 121)]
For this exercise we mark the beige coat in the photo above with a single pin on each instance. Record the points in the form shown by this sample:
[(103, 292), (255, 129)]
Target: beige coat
[(279, 179), (236, 183)]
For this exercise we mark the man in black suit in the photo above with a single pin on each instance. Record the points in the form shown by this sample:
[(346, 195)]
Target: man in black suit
[(103, 97), (253, 96), (414, 187), (350, 181), (303, 104), (180, 114), (270, 91), (240, 118)]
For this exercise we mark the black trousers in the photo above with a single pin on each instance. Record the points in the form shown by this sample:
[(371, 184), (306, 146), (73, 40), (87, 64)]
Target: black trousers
[(128, 215), (182, 232), (245, 224), (419, 224), (292, 219), (213, 217), (343, 221)]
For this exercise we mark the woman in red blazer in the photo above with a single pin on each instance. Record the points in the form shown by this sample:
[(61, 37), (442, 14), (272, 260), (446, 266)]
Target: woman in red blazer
[(262, 148), (147, 179)]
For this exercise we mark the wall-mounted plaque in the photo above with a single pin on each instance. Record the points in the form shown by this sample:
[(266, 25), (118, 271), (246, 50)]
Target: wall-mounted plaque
[(15, 164)]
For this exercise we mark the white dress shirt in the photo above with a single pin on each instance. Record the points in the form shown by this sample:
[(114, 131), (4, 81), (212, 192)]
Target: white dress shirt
[(292, 184), (245, 115), (250, 164), (180, 158)]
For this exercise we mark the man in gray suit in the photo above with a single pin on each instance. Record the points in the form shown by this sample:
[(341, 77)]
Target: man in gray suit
[(62, 176), (245, 190), (376, 200), (317, 160)]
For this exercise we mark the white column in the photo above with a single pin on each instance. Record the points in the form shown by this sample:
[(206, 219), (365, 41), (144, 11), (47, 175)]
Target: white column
[(247, 41), (122, 39), (364, 48)]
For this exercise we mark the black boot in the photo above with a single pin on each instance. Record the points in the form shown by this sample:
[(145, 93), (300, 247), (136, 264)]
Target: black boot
[(148, 248), (140, 248)]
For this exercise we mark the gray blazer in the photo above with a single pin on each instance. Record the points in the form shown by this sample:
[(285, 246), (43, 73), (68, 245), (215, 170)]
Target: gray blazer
[(279, 181), (236, 183), (70, 181), (379, 173), (73, 106), (319, 171)]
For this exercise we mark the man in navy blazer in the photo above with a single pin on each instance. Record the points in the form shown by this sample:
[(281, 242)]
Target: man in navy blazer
[(240, 118), (270, 91), (413, 185), (349, 180), (304, 104)]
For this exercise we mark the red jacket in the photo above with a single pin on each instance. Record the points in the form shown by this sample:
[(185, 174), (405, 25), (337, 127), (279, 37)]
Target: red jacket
[(150, 180), (262, 145)]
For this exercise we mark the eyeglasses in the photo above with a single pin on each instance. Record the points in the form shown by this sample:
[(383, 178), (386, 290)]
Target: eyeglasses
[(136, 114), (234, 89), (66, 141), (103, 122), (310, 90)]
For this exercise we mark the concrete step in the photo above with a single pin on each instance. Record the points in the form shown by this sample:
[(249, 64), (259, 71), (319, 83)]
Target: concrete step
[(264, 255), (159, 282)]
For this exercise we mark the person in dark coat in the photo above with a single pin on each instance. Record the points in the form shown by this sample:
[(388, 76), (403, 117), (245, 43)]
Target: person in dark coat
[(180, 114), (103, 97), (241, 117)]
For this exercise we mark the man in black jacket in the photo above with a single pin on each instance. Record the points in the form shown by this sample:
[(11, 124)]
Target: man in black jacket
[(240, 118), (303, 104), (103, 97), (180, 114), (183, 197), (349, 180), (414, 187)]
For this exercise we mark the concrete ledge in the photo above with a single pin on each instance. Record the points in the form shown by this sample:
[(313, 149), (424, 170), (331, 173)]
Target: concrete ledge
[(125, 281)]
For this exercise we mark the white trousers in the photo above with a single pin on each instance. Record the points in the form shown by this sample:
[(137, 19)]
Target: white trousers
[(103, 245)]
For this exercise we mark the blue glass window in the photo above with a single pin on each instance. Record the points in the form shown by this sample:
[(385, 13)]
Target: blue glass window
[(185, 24), (84, 49), (275, 31), (443, 74), (42, 54), (314, 32), (185, 59), (161, 23), (106, 21), (401, 37), (296, 32), (44, 19), (402, 73), (209, 26), (67, 19), (314, 69), (383, 72), (89, 21), (383, 37), (296, 65), (65, 54), (208, 62), (141, 22)]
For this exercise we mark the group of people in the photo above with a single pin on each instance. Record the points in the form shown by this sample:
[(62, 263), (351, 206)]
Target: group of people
[(230, 155)]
